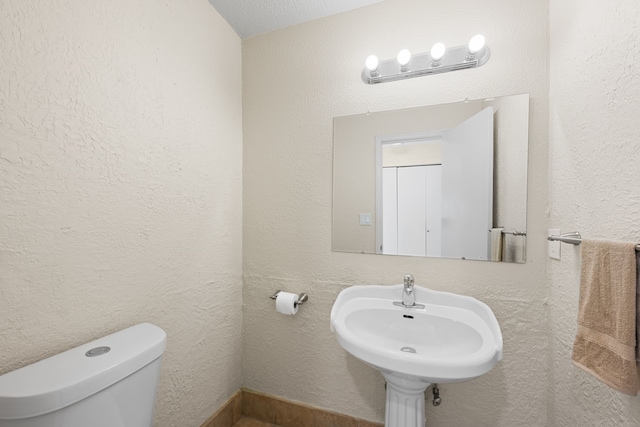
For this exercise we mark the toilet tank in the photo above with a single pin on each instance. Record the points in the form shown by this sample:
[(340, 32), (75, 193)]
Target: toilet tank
[(109, 382)]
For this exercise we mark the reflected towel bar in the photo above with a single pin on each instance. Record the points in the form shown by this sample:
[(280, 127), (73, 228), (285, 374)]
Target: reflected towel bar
[(515, 233), (572, 238)]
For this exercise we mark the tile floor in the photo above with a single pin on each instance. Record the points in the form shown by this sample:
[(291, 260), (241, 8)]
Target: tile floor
[(252, 422), (266, 411), (252, 409)]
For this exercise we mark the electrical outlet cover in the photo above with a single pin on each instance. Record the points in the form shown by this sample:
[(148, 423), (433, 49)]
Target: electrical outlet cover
[(365, 219), (554, 247)]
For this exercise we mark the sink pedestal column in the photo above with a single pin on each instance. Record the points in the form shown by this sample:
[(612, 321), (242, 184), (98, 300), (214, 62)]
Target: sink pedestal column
[(405, 401)]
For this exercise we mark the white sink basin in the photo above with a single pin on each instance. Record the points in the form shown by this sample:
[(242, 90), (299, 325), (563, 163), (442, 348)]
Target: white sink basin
[(452, 338)]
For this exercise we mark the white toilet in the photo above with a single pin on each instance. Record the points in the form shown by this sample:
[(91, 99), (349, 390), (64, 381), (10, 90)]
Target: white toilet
[(109, 382)]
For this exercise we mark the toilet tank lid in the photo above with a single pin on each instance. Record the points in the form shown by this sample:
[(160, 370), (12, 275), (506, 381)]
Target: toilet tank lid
[(66, 378)]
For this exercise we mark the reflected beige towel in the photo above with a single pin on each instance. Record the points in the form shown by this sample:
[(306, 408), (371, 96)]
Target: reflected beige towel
[(496, 243), (605, 345)]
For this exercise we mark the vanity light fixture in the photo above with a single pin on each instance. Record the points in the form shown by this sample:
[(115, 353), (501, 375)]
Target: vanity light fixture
[(437, 52), (404, 57), (475, 45), (439, 60), (372, 65)]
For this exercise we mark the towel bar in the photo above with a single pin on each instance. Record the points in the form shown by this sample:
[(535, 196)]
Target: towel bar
[(573, 238)]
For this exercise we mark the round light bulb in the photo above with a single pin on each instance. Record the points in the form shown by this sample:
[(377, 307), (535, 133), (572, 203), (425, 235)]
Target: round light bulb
[(437, 51), (476, 43), (404, 56), (372, 62)]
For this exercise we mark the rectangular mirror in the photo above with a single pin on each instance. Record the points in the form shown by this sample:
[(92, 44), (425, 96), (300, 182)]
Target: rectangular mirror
[(445, 181)]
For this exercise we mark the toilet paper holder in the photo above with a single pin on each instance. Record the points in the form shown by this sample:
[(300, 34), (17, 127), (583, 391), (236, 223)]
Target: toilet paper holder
[(302, 298)]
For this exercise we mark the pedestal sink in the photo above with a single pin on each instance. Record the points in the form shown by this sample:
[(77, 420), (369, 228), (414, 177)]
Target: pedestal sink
[(444, 338)]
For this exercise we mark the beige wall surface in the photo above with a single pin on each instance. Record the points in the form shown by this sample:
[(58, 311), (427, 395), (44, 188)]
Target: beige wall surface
[(420, 154), (120, 187), (295, 81), (510, 161), (594, 179), (510, 172)]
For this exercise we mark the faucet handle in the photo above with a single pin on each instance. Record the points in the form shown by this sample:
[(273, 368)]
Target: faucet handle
[(408, 280), (408, 297)]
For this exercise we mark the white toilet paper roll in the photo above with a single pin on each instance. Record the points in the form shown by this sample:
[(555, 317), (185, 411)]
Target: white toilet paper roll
[(286, 303)]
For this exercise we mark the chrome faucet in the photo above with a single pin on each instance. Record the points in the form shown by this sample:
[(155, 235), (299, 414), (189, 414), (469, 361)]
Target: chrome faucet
[(408, 297)]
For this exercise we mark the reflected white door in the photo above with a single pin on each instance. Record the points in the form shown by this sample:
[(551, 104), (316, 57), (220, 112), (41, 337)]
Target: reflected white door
[(412, 208), (389, 211), (434, 210), (467, 187), (411, 211)]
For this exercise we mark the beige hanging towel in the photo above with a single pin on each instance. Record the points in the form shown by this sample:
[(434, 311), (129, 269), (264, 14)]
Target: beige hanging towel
[(606, 339)]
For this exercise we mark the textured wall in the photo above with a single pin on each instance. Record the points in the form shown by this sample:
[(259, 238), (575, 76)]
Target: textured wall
[(594, 178), (295, 81), (120, 187)]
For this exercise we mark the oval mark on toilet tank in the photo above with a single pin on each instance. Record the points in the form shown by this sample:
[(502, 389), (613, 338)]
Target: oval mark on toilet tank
[(408, 350), (98, 351)]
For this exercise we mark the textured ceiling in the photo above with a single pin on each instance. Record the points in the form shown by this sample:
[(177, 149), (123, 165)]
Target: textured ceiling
[(251, 17)]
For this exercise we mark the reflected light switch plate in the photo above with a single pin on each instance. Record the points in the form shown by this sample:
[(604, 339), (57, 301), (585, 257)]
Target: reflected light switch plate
[(554, 247), (365, 219)]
